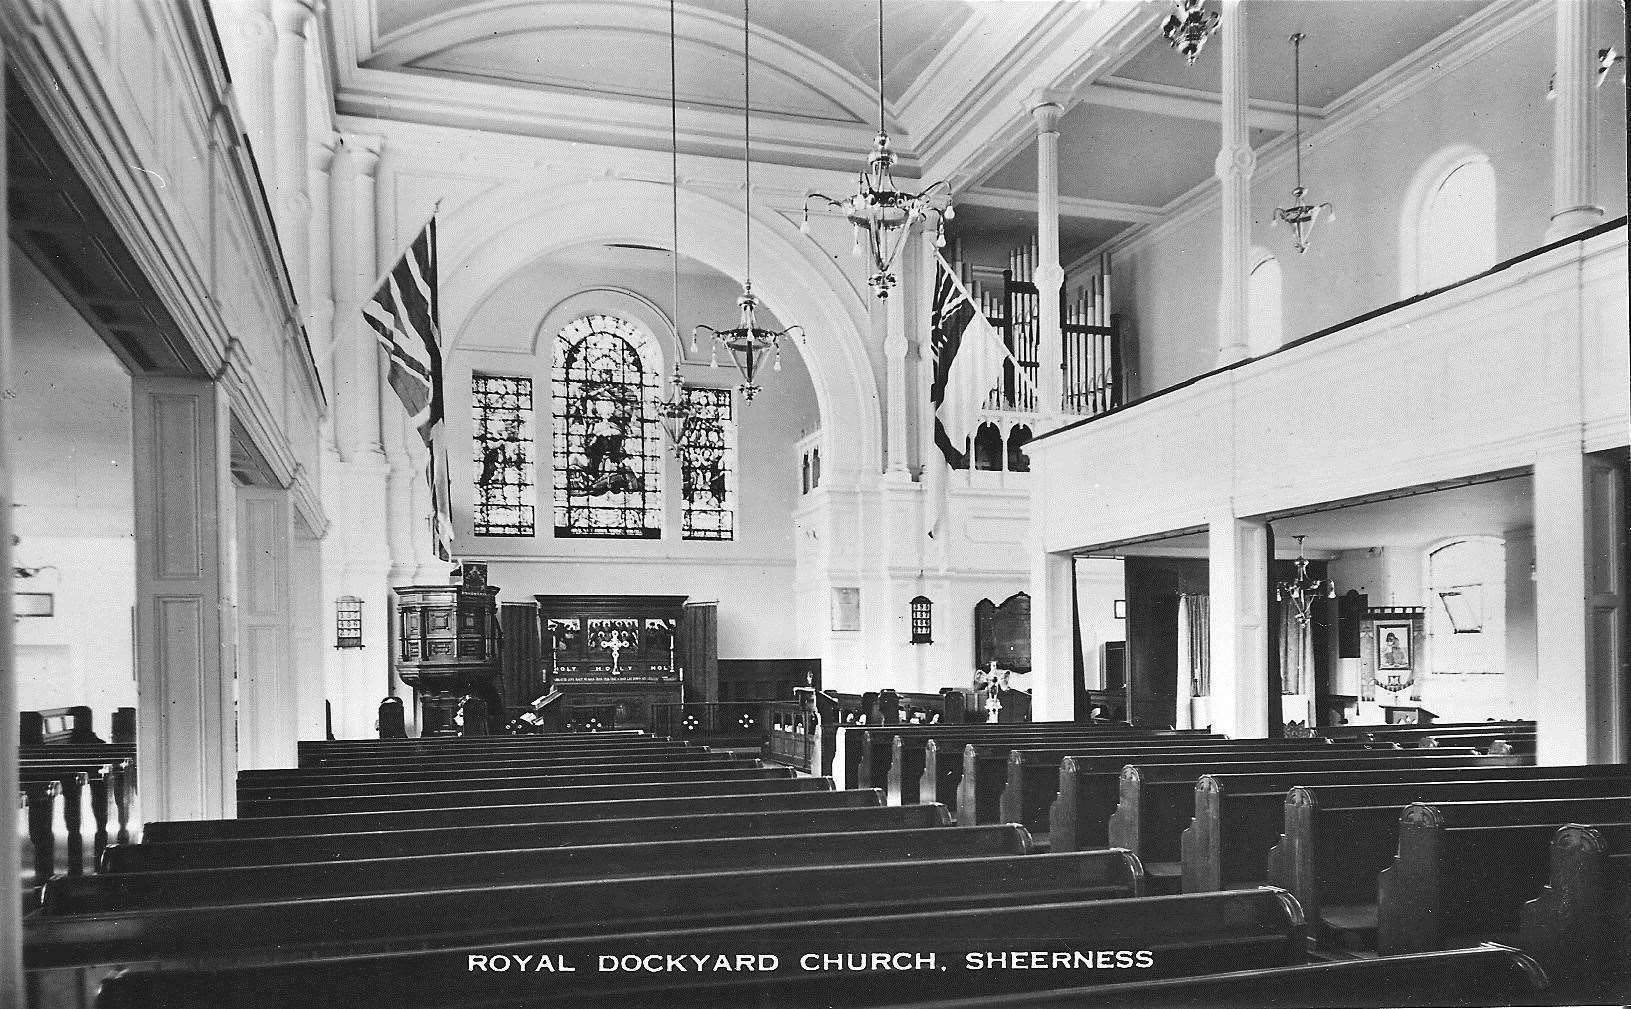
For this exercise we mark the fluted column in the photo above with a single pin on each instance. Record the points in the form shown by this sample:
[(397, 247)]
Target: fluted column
[(1573, 134), (1234, 167), (1045, 108), (249, 40), (894, 355), (291, 20), (319, 305)]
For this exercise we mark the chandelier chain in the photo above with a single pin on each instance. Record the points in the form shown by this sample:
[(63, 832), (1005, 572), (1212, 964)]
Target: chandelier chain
[(880, 67), (1297, 101), (747, 151), (674, 166)]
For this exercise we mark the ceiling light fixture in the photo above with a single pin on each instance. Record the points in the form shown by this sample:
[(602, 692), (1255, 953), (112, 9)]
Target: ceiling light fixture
[(673, 405), (1188, 27), (1301, 216), (747, 343), (1302, 590), (879, 211)]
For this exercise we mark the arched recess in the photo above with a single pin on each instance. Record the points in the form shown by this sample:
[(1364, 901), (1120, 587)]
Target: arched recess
[(1265, 299), (792, 277), (1449, 210)]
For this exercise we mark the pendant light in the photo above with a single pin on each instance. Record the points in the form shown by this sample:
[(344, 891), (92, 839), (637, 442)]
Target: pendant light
[(747, 343), (1301, 216), (880, 213), (673, 405)]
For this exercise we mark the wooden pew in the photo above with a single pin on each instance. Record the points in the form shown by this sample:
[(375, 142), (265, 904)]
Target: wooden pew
[(408, 781), (889, 827), (986, 768), (1356, 729), (725, 816), (1579, 927), (114, 806), (481, 754), (879, 748), (296, 929), (1032, 780), (908, 755), (849, 738), (1338, 838), (1484, 975), (564, 787), (568, 804), (1482, 740), (428, 767), (1239, 817), (453, 742), (32, 874), (1506, 746), (1155, 804), (79, 818), (1090, 786), (47, 828), (1194, 934), (1465, 866)]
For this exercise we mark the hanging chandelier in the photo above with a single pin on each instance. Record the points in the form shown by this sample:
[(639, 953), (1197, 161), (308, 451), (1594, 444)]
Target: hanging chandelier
[(748, 342), (673, 405), (1188, 27), (1301, 216), (879, 213), (1302, 590)]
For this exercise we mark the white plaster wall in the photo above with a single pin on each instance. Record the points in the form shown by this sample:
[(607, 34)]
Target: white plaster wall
[(1496, 103), (82, 654)]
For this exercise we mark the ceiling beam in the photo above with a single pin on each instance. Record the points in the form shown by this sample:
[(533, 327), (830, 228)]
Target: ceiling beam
[(992, 198), (1189, 103)]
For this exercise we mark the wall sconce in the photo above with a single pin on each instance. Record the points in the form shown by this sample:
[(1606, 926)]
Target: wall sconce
[(922, 621), (348, 622)]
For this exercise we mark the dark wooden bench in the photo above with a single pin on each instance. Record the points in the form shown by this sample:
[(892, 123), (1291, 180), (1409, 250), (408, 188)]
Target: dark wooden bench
[(1482, 740), (984, 780), (629, 854), (1090, 787), (732, 816), (1155, 804), (47, 829), (597, 774), (78, 816), (1189, 935), (562, 789), (909, 756), (113, 792), (55, 726), (734, 896), (352, 763), (1484, 975), (538, 738), (1239, 817), (1338, 838), (1465, 868), (1580, 925), (900, 756), (428, 767), (568, 804), (1354, 730), (1032, 780), (1506, 746), (849, 738)]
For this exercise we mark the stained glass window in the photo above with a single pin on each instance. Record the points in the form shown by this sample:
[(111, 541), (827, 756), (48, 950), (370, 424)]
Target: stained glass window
[(608, 440), (502, 445), (708, 467)]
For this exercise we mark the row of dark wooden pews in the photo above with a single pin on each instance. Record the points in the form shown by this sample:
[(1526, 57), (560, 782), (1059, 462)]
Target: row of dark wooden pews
[(474, 873), (73, 798)]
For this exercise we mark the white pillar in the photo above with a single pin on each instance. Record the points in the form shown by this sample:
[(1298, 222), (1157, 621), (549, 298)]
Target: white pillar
[(1053, 630), (292, 207), (1234, 166), (894, 354), (11, 894), (355, 269), (1045, 107), (1579, 608), (1573, 125), (267, 663), (312, 634), (186, 731), (1238, 584), (250, 42)]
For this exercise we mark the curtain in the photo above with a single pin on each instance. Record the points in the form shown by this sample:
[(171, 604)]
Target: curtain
[(1194, 647), (1296, 644)]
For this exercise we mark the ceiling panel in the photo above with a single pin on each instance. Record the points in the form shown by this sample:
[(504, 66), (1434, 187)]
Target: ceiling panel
[(1346, 44), (987, 235)]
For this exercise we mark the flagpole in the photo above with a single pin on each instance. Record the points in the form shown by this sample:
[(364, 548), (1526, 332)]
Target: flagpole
[(368, 293), (1019, 369)]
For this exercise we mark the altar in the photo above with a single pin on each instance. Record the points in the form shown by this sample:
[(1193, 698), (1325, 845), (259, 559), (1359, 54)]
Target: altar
[(612, 657)]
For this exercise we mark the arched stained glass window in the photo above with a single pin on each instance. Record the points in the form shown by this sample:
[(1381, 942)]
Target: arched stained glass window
[(608, 441), (708, 467)]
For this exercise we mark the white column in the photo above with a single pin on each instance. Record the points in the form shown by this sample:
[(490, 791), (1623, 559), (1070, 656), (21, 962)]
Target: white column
[(1238, 584), (319, 303), (1573, 125), (313, 635), (184, 637), (292, 19), (1045, 107), (1053, 652), (894, 354), (1233, 168), (1579, 608), (267, 663), (11, 894), (355, 270), (250, 41)]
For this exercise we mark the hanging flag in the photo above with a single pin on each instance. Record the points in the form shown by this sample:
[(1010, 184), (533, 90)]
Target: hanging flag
[(405, 317), (968, 362)]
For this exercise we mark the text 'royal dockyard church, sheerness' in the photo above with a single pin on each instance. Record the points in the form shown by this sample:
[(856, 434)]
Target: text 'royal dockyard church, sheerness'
[(779, 503)]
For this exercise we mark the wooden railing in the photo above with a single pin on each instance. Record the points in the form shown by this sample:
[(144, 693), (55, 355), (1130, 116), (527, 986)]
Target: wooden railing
[(724, 723)]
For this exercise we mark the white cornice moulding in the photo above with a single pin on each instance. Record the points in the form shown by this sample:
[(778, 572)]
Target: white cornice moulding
[(1440, 57), (1189, 103), (1069, 206)]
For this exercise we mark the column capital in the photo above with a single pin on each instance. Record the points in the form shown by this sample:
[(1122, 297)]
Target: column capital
[(320, 152), (364, 150), (1049, 277), (293, 17), (1046, 105)]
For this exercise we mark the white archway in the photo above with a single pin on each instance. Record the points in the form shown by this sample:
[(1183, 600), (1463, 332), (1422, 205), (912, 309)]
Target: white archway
[(793, 277)]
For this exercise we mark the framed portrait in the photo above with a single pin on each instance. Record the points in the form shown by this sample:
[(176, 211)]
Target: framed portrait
[(1393, 646)]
